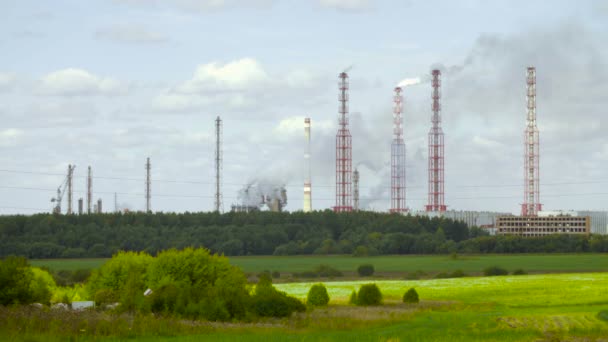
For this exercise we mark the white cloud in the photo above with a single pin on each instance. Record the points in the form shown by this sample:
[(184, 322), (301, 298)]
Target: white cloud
[(130, 34), (199, 5), (7, 81), (238, 75), (9, 137), (71, 81), (346, 5)]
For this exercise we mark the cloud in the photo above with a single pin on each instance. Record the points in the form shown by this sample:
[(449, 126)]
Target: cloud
[(9, 137), (130, 34), (7, 81), (240, 84), (238, 75), (346, 5), (200, 5), (79, 82)]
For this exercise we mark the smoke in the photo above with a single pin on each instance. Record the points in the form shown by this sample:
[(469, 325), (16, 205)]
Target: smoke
[(258, 192), (409, 82)]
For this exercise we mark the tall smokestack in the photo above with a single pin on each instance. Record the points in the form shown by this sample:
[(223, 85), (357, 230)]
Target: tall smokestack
[(344, 162), (307, 180), (99, 207), (531, 205), (80, 206), (398, 157), (436, 149), (89, 190), (70, 187), (356, 189)]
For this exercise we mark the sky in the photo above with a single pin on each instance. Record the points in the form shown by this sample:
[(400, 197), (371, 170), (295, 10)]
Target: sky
[(108, 83)]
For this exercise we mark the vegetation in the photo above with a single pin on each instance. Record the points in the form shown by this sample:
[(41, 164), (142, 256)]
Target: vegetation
[(22, 284), (44, 236), (365, 270), (267, 301), (494, 271), (317, 295), (519, 271), (411, 296), (369, 294)]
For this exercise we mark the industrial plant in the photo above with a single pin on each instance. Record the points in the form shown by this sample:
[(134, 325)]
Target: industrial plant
[(268, 194)]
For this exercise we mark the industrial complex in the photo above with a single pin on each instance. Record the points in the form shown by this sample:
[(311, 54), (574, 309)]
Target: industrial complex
[(259, 194)]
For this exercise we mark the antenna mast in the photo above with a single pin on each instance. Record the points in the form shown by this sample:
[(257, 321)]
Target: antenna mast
[(148, 181), (89, 190), (531, 205), (398, 157), (218, 165), (343, 151)]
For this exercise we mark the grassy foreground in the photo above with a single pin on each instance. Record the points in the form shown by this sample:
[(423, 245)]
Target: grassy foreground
[(552, 307), (398, 264)]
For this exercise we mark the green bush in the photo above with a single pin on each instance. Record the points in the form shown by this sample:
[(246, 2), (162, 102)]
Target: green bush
[(353, 298), (603, 315), (457, 274), (105, 296), (22, 284), (267, 301), (276, 274), (494, 271), (442, 275), (369, 294), (317, 295), (519, 271), (164, 298), (366, 270), (411, 296), (327, 271)]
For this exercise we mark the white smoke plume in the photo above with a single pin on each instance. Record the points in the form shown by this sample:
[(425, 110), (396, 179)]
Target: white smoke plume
[(409, 82)]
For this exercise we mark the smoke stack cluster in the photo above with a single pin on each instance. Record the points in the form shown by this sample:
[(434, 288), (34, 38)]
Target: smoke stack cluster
[(307, 180), (259, 194)]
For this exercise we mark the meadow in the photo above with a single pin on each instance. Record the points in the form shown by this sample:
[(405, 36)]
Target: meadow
[(392, 265), (549, 307)]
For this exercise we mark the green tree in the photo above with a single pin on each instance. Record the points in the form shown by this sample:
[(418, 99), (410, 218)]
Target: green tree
[(317, 295), (411, 296)]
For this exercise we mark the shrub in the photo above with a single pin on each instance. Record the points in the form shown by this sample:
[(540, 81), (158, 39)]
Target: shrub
[(305, 274), (267, 301), (105, 296), (442, 275), (519, 271), (603, 315), (411, 296), (361, 251), (369, 294), (317, 295), (366, 270), (457, 274), (276, 274), (22, 284), (327, 271), (494, 271), (164, 298), (353, 298)]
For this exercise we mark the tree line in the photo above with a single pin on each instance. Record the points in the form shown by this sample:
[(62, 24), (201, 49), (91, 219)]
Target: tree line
[(265, 233)]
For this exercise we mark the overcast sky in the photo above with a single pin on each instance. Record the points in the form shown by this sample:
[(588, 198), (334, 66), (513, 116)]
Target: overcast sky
[(108, 83)]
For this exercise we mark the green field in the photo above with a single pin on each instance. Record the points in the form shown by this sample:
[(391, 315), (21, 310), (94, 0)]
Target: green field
[(532, 263), (551, 307)]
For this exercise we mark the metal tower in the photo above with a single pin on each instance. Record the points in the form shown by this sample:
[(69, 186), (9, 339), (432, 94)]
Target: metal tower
[(148, 182), (89, 190), (398, 157), (436, 149), (356, 189), (70, 187), (531, 205), (344, 160), (218, 165), (307, 180)]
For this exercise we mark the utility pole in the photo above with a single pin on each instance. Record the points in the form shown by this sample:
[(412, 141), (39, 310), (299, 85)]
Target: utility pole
[(218, 165), (148, 185)]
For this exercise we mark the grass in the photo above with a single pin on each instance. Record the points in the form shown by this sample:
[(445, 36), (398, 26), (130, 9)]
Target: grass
[(550, 307), (471, 264)]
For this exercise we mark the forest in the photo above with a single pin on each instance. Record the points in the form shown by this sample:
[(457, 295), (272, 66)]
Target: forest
[(265, 233)]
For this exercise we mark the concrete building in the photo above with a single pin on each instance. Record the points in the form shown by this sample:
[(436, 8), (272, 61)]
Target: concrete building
[(546, 224), (481, 219), (599, 219)]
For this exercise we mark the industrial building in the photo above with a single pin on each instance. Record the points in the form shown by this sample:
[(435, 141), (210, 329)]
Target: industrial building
[(543, 225), (482, 219), (599, 219)]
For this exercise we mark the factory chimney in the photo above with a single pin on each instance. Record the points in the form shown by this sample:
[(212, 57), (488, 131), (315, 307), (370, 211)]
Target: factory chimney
[(436, 148), (344, 162), (398, 157), (99, 207), (70, 187), (80, 206), (307, 179), (531, 205)]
